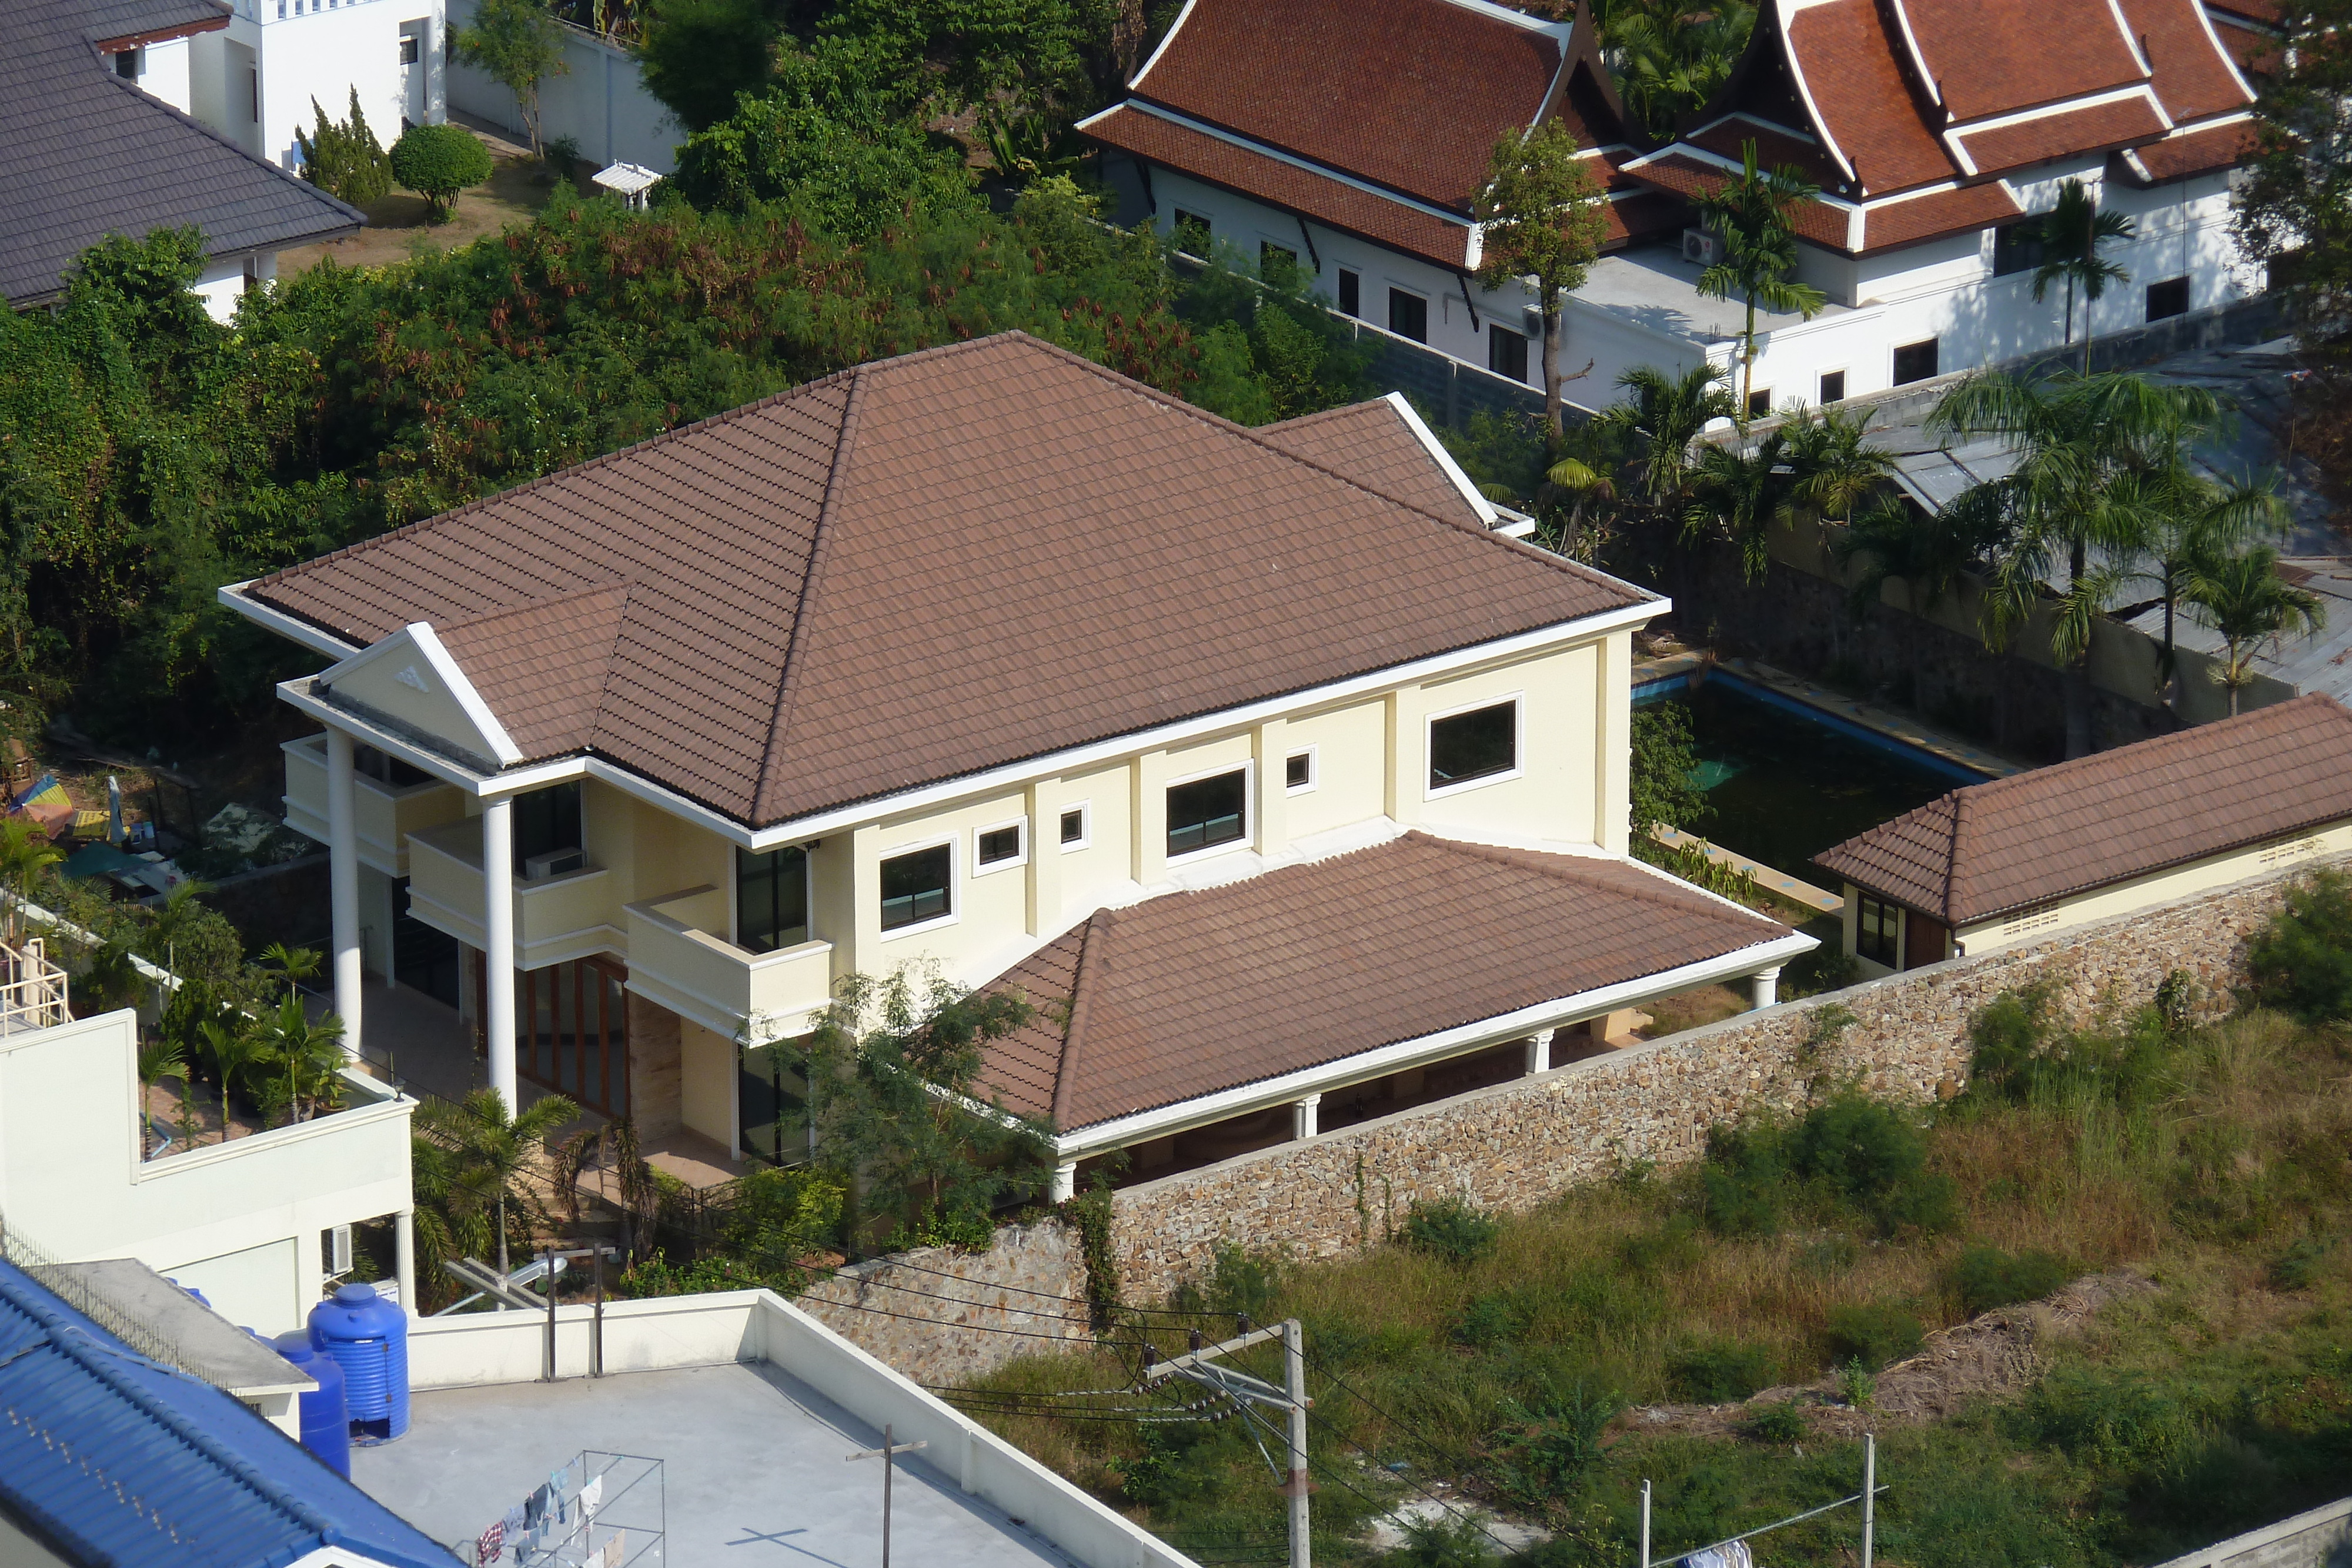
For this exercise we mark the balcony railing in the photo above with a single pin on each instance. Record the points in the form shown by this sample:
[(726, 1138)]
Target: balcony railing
[(696, 975), (383, 815), (557, 919), (32, 989)]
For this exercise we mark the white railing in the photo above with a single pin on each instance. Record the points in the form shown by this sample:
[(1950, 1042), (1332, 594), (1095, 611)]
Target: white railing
[(32, 989)]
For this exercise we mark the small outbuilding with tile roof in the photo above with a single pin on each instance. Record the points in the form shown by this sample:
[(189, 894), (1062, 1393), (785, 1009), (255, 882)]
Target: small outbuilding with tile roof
[(2144, 825)]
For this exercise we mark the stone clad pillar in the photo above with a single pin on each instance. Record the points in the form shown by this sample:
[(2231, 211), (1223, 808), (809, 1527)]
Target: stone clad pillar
[(498, 946), (1765, 984), (344, 880)]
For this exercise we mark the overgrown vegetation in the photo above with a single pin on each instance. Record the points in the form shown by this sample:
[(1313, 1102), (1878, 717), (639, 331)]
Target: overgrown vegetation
[(1815, 1249)]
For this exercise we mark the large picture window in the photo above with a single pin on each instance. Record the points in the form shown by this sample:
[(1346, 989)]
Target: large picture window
[(1474, 744), (1207, 812), (1877, 925), (772, 899), (914, 887)]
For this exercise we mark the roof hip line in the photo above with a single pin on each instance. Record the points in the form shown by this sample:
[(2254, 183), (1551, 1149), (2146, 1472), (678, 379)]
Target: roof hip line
[(1091, 942)]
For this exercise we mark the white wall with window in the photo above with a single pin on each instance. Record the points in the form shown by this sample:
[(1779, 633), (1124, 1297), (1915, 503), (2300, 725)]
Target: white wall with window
[(255, 81)]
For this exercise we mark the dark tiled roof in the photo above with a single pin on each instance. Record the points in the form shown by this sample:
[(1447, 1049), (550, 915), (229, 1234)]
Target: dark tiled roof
[(1190, 993), (1729, 137), (1371, 444), (1989, 849), (111, 21), (2093, 129), (927, 567), (84, 154), (1849, 56), (115, 1459), (2198, 151), (1914, 218), (2193, 79), (1690, 177)]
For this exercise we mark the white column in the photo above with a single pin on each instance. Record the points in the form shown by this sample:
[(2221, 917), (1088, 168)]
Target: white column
[(344, 882), (1765, 984), (403, 1253), (1066, 1183), (1539, 1052), (1302, 1115), (498, 944)]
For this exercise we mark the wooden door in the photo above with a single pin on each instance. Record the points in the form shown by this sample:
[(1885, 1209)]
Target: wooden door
[(1923, 940)]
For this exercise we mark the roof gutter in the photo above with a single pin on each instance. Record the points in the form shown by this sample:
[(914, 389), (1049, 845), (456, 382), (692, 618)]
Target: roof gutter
[(1242, 1099)]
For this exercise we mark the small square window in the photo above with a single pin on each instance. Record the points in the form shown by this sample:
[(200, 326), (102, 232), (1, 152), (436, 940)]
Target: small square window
[(1073, 827), (1351, 293), (129, 64), (1877, 928), (1915, 362), (1192, 233), (1507, 354), (2017, 247), (1832, 387), (914, 887), (1479, 743), (2168, 299), (1408, 315), (410, 48), (1760, 402), (997, 845), (1298, 771), (1207, 812)]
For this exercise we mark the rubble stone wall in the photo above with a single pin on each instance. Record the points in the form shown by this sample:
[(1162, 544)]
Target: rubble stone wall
[(942, 1317)]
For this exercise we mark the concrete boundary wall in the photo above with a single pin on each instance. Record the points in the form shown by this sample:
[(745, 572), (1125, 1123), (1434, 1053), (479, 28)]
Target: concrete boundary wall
[(2320, 1538), (1520, 1144)]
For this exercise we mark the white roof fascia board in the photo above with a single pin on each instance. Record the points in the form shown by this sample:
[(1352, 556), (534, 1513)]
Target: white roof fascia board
[(1730, 166), (2131, 42), (1919, 59), (287, 626), (436, 657), (1520, 19), (1222, 1103), (2054, 110), (2205, 20), (1805, 91), (1168, 38), (1278, 156), (1442, 458)]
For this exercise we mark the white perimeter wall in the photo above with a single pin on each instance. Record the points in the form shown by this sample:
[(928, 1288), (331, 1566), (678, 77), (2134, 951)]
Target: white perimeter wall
[(322, 53), (677, 1332), (601, 103)]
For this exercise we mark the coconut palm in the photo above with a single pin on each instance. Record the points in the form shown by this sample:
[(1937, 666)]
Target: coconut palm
[(159, 1057), (2071, 233), (25, 854), (1660, 420), (477, 1153), (1749, 213), (236, 1050), (2073, 437), (1837, 467), (2243, 598)]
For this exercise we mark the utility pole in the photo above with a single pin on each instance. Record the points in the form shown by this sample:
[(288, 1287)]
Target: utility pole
[(885, 1454), (1869, 1493), (1199, 1366)]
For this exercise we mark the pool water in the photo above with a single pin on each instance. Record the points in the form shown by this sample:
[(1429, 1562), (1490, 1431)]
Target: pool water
[(1782, 787)]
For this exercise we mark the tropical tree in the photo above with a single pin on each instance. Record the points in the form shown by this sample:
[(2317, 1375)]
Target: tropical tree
[(299, 1058), (25, 854), (469, 1163), (159, 1057), (291, 966), (1664, 415), (1744, 491), (1750, 214), (2071, 233), (1670, 56), (2243, 598), (1929, 551), (1542, 218), (2074, 437), (2296, 198), (517, 44), (235, 1050), (1837, 467), (2187, 519)]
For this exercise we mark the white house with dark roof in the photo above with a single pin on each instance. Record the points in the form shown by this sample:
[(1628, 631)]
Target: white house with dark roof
[(948, 660)]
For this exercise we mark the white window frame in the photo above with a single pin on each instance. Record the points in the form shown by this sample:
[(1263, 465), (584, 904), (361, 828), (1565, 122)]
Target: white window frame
[(1086, 838), (1313, 753), (1247, 769), (955, 886), (1824, 373), (1011, 862), (1518, 768)]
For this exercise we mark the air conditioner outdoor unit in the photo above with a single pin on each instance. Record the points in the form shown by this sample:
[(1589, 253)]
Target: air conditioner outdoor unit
[(554, 862), (1702, 247)]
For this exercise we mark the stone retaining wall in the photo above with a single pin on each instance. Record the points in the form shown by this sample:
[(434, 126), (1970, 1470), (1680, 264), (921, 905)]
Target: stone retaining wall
[(1517, 1144), (941, 1316)]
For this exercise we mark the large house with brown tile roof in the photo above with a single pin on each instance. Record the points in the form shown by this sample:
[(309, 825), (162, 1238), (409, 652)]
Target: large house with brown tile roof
[(2148, 824), (988, 659)]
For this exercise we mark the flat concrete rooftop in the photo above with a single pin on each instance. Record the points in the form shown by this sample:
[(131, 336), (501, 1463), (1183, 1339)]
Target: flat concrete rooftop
[(1654, 286), (754, 1468)]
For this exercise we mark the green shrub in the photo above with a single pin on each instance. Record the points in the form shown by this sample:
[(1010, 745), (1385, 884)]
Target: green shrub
[(1876, 1336), (1451, 1228), (1664, 760), (2298, 1267), (437, 162), (1547, 1448), (1743, 1181), (1720, 1372), (1241, 1282), (2302, 961), (2114, 1418), (1783, 1421), (1444, 1541), (1986, 1276), (1855, 1385), (1490, 1320), (345, 161), (1849, 1152), (1673, 1245)]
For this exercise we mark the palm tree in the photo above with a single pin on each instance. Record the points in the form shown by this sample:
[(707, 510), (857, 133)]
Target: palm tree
[(1750, 214), (1928, 551), (2243, 598), (1746, 492), (2071, 233), (25, 854), (236, 1050), (301, 1056), (2188, 518), (159, 1057), (1838, 469), (292, 964), (480, 1153), (2074, 437), (1664, 415)]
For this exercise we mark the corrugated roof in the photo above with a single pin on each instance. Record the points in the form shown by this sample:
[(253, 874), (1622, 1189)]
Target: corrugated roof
[(927, 567), (1191, 993), (84, 153), (1989, 849), (117, 1459)]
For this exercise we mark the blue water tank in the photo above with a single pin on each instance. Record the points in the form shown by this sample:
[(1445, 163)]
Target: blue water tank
[(326, 1420), (368, 1337)]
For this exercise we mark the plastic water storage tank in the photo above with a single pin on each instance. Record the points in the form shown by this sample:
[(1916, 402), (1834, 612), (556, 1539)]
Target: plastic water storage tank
[(368, 1337), (326, 1420)]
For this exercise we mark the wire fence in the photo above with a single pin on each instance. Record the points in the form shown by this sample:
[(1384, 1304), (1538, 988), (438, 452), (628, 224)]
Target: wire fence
[(62, 1281)]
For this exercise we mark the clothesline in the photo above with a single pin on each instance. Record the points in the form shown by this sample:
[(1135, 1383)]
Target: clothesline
[(528, 1530)]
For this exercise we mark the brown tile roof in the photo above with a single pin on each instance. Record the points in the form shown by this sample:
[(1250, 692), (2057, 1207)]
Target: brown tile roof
[(1914, 218), (1850, 58), (1729, 137), (1411, 94), (543, 667), (2093, 129), (1687, 176), (2001, 56), (927, 567), (2255, 51), (2192, 79), (1190, 993), (2268, 11), (1343, 207), (2196, 151), (1371, 444), (1993, 848)]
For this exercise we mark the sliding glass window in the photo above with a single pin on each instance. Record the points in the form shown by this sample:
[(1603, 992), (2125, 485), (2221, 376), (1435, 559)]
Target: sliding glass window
[(772, 899)]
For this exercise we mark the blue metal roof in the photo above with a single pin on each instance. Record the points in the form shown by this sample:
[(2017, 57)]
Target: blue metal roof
[(122, 1461)]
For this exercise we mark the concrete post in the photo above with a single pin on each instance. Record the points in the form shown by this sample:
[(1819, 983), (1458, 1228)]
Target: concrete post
[(498, 946), (344, 884), (1066, 1183), (403, 1253), (1539, 1052), (1302, 1115), (1765, 985)]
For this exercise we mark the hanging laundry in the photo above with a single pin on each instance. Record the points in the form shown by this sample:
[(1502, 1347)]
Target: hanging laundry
[(617, 1549), (592, 1496), (534, 1507), (486, 1550), (1713, 1557), (514, 1521), (1735, 1555)]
